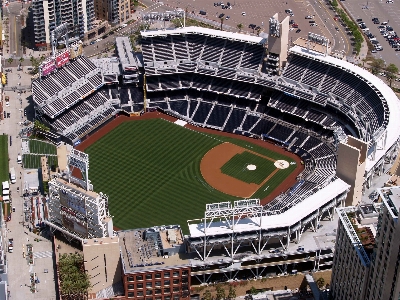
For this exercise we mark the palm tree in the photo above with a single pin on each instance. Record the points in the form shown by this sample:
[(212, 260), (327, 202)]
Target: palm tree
[(258, 31), (239, 26), (222, 21), (10, 60)]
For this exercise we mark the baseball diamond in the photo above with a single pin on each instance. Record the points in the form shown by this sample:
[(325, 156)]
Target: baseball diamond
[(160, 164)]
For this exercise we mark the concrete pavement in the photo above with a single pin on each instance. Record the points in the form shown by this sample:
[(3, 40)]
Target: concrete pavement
[(18, 267)]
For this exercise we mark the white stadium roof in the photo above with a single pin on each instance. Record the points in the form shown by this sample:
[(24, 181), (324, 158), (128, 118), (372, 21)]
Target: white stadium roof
[(393, 102), (205, 31), (288, 218)]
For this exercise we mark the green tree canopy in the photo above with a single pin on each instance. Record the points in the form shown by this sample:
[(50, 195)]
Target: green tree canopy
[(239, 26), (377, 65), (391, 73)]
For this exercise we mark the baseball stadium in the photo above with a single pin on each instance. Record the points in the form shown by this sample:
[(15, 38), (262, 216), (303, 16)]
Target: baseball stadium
[(240, 140)]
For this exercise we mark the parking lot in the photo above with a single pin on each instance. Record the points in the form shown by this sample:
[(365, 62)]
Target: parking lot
[(258, 12), (385, 12)]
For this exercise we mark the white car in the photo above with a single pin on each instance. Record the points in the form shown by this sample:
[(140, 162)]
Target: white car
[(389, 1), (243, 13), (309, 17)]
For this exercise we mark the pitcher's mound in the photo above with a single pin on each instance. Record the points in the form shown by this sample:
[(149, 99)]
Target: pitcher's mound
[(251, 167), (281, 164)]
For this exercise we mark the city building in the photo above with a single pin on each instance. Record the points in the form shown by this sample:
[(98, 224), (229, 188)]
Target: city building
[(154, 263), (102, 263), (47, 15), (73, 208), (367, 254), (113, 11)]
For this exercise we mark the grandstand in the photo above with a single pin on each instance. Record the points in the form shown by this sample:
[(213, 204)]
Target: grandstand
[(223, 81)]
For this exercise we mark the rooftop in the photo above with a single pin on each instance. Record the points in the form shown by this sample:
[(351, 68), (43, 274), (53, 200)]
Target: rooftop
[(125, 53), (391, 199), (107, 65), (152, 249), (75, 187), (205, 31)]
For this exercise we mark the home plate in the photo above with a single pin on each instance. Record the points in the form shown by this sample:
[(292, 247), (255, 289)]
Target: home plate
[(251, 167), (281, 164)]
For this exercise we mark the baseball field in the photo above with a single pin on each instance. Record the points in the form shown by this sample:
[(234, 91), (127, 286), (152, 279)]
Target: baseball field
[(156, 172)]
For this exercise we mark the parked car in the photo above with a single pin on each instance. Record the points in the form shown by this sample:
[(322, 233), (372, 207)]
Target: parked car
[(298, 30), (309, 17)]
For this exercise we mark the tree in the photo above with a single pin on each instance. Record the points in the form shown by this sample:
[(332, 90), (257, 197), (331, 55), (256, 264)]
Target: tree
[(207, 295), (258, 31), (320, 282), (239, 26), (253, 290), (220, 293), (10, 60), (391, 73), (377, 65), (232, 293), (222, 21), (21, 60)]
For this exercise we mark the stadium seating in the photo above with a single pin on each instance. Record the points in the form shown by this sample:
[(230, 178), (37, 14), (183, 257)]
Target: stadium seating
[(218, 115)]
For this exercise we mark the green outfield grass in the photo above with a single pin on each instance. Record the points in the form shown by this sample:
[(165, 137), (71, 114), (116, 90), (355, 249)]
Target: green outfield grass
[(40, 147), (31, 161), (237, 167), (4, 168), (150, 170)]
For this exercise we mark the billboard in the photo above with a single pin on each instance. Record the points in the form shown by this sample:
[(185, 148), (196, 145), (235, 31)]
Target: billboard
[(74, 225), (62, 58), (76, 50), (47, 67)]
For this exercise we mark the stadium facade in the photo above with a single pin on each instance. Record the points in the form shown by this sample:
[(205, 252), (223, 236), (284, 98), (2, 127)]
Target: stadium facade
[(340, 119)]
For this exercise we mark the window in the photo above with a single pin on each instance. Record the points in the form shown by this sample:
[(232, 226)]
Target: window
[(167, 275), (158, 291), (149, 292), (175, 274), (149, 284), (130, 278), (130, 286), (131, 294), (167, 298), (176, 297), (158, 275), (139, 277), (140, 293), (149, 276), (139, 285), (158, 283), (167, 291), (176, 289), (176, 281), (167, 282)]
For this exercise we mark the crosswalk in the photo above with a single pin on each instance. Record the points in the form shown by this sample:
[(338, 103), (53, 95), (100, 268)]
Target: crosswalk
[(42, 254)]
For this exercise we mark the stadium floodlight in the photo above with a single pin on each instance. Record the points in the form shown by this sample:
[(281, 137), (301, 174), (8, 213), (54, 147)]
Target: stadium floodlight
[(218, 206), (56, 34), (318, 39), (274, 27), (246, 203)]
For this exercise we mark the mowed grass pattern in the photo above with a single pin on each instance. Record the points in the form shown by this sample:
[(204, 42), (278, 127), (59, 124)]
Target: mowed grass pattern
[(31, 161), (150, 169), (151, 172), (237, 167), (4, 169), (40, 147)]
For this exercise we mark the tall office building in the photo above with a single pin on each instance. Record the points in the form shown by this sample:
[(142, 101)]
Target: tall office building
[(367, 254), (113, 11), (48, 14)]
